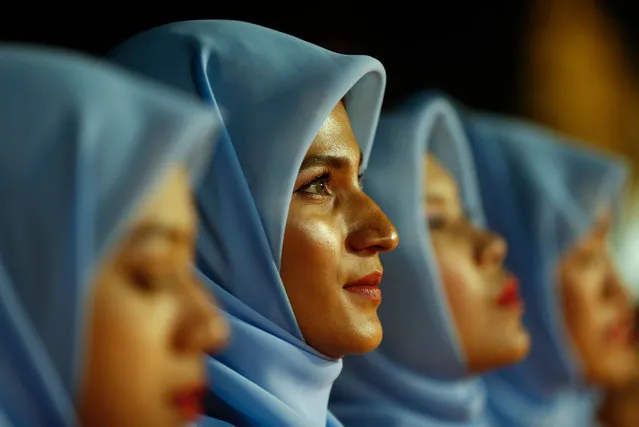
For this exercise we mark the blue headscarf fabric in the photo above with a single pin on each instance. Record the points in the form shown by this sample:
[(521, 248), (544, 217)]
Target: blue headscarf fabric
[(80, 145), (542, 193), (418, 376), (278, 91)]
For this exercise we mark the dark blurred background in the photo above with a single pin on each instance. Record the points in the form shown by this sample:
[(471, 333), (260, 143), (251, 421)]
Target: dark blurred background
[(570, 64), (479, 51)]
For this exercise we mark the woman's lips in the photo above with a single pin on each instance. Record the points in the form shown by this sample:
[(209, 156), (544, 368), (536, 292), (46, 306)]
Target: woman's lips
[(190, 403), (623, 332), (367, 286), (509, 296)]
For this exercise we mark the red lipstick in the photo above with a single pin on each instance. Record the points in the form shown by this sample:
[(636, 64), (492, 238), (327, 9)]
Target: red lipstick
[(623, 332), (190, 403), (367, 286), (509, 296)]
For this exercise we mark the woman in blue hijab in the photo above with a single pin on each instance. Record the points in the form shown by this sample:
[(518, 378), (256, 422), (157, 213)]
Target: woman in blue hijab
[(289, 241), (444, 318), (101, 321), (554, 202)]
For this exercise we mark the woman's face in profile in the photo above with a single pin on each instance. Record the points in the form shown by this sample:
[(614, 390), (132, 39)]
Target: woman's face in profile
[(598, 311), (334, 234), (482, 296), (151, 320)]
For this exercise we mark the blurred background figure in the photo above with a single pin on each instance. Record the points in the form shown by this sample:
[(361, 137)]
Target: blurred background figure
[(451, 311), (554, 203), (579, 77), (102, 322)]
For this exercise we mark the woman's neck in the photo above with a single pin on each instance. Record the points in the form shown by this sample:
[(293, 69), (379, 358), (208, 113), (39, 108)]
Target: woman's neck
[(620, 408)]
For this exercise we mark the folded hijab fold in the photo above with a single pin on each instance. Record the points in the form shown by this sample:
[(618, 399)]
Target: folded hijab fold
[(419, 375), (81, 143), (278, 90), (542, 193)]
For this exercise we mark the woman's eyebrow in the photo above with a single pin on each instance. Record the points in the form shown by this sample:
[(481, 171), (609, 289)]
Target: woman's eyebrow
[(436, 199), (331, 160), (324, 160), (154, 230)]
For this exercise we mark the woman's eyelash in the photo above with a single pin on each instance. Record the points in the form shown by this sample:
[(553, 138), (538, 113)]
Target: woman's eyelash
[(150, 282), (360, 179), (323, 178), (147, 282), (435, 221)]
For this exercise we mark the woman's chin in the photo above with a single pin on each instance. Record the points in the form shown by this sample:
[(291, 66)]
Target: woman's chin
[(364, 336), (366, 339), (615, 373), (369, 342), (509, 349)]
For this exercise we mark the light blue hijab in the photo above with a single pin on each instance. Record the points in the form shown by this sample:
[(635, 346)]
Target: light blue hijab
[(80, 145), (278, 91), (542, 193), (418, 376)]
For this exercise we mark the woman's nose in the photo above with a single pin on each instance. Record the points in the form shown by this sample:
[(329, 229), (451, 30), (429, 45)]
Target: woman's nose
[(206, 328), (491, 249), (372, 232)]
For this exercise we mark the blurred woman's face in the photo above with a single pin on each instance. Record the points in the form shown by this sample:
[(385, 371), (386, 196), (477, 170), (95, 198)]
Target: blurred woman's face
[(598, 311), (151, 321), (482, 296), (334, 234)]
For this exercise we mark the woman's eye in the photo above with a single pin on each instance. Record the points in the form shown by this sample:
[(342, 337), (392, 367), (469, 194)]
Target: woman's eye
[(318, 186), (436, 222), (360, 179), (148, 282), (591, 259)]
